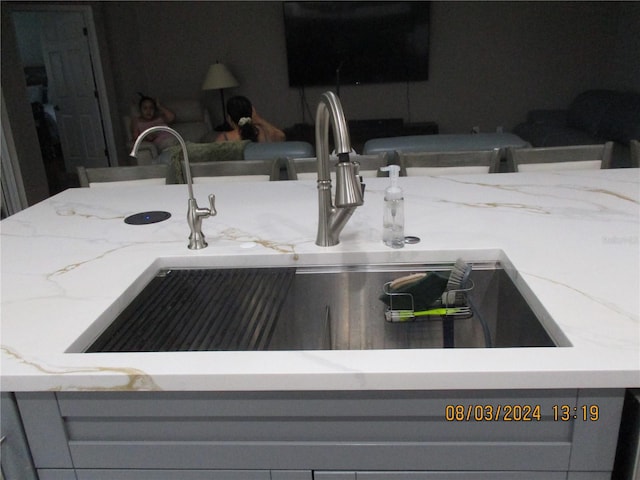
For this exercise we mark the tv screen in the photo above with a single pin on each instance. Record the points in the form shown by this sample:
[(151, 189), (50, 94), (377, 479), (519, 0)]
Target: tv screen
[(348, 43)]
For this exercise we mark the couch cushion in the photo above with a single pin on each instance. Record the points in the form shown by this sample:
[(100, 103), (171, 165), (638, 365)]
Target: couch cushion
[(586, 110), (186, 110), (192, 131), (443, 142)]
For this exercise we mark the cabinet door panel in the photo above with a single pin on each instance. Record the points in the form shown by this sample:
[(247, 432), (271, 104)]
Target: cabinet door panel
[(598, 415), (44, 429), (117, 474), (15, 457), (334, 475), (460, 476), (56, 474), (291, 475), (327, 455)]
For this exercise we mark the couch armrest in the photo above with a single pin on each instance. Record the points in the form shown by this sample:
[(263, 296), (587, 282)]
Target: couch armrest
[(548, 117)]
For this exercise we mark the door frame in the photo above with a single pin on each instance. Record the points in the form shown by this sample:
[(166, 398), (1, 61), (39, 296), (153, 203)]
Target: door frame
[(13, 198), (96, 60)]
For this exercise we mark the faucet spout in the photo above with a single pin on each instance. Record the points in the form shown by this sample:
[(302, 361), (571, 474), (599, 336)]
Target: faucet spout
[(195, 214), (349, 193)]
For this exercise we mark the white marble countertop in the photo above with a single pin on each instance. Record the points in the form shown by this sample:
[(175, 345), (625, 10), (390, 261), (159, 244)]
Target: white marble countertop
[(573, 238)]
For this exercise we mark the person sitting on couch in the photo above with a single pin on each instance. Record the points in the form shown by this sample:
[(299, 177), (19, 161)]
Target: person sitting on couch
[(247, 124), (153, 114)]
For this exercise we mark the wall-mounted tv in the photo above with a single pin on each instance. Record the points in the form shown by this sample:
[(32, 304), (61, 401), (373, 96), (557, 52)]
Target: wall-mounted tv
[(348, 43)]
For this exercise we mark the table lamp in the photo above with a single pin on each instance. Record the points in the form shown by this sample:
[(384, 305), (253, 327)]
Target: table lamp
[(218, 78)]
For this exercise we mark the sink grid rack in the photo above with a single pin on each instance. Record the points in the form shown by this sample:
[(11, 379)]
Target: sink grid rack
[(201, 310)]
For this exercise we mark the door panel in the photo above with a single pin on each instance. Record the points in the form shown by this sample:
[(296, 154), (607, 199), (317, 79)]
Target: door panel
[(73, 92)]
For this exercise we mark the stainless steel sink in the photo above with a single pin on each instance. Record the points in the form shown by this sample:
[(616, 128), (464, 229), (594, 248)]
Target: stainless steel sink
[(311, 308)]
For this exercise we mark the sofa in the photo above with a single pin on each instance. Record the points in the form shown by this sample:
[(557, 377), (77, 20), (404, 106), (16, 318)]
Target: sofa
[(192, 122), (594, 116)]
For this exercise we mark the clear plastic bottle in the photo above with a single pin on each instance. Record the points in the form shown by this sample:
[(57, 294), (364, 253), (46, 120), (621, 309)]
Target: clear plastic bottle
[(393, 215)]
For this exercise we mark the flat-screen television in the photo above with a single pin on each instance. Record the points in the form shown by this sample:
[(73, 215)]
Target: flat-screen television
[(349, 43)]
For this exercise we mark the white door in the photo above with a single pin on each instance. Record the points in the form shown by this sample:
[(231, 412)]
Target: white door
[(72, 90)]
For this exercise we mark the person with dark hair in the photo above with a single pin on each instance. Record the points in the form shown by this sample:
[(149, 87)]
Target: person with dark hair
[(247, 124), (153, 114)]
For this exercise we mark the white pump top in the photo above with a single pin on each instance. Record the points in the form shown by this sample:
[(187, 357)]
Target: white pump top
[(393, 191)]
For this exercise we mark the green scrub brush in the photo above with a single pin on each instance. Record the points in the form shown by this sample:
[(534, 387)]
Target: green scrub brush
[(410, 315)]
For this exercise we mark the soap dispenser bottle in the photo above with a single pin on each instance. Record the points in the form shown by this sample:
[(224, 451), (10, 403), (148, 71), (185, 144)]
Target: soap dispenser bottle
[(393, 215)]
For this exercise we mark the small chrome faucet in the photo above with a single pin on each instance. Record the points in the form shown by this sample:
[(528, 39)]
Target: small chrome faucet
[(349, 188), (195, 214)]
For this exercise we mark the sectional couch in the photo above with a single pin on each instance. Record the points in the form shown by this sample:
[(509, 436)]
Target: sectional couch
[(594, 116)]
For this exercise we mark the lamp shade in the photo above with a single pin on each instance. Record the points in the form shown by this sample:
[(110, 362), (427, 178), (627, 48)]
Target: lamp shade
[(219, 77)]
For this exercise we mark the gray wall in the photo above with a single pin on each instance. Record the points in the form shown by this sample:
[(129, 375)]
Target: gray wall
[(490, 61), (23, 125), (27, 25)]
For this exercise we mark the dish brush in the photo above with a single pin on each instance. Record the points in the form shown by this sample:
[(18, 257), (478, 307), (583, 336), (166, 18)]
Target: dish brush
[(410, 315), (455, 291)]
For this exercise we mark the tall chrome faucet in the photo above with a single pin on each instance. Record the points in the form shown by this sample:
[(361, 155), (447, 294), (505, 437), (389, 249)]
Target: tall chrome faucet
[(349, 190), (195, 214)]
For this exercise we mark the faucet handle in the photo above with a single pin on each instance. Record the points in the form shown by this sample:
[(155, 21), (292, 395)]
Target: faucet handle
[(356, 170), (212, 204)]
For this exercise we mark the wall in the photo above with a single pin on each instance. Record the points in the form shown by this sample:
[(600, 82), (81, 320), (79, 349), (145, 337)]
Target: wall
[(32, 173), (490, 61), (625, 67), (27, 27)]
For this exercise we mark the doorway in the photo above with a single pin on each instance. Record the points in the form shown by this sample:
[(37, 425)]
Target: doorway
[(59, 56)]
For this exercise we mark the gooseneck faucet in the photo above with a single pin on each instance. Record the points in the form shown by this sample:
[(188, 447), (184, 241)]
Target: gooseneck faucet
[(349, 190), (195, 214)]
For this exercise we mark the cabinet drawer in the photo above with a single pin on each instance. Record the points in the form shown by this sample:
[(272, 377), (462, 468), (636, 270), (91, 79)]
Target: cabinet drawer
[(330, 431)]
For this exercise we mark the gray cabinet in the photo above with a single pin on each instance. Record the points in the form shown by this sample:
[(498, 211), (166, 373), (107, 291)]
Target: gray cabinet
[(528, 434), (15, 459)]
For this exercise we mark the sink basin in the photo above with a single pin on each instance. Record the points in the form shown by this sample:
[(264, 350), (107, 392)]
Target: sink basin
[(313, 308)]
